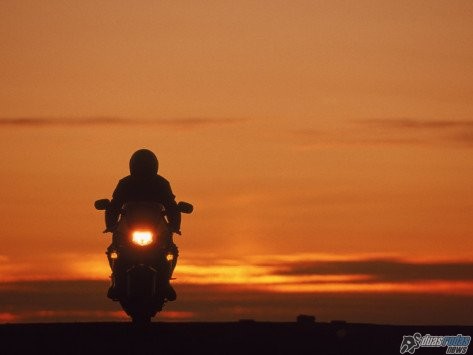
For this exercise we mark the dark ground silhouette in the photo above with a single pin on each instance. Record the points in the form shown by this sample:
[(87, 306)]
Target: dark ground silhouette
[(244, 337)]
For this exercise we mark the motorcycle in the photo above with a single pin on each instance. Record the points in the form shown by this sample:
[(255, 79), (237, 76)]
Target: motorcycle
[(142, 257)]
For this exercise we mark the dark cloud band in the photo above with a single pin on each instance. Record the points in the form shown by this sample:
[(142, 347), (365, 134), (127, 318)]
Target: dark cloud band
[(384, 270), (412, 124), (191, 122)]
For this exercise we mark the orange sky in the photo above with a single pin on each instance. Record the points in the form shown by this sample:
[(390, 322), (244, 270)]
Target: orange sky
[(330, 128)]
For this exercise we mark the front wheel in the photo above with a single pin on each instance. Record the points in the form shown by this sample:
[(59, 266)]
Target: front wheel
[(140, 320)]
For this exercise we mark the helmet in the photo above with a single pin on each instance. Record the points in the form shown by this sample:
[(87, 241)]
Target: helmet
[(143, 162)]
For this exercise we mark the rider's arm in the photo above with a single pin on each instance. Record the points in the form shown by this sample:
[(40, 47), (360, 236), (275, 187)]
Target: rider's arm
[(172, 211), (113, 211)]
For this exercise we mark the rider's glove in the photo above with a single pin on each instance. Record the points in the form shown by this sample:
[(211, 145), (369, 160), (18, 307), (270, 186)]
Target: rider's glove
[(110, 229)]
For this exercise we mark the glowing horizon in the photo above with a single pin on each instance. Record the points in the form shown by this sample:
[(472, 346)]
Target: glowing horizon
[(274, 273)]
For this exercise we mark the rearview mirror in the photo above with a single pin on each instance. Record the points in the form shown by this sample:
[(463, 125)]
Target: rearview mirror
[(185, 207), (102, 204)]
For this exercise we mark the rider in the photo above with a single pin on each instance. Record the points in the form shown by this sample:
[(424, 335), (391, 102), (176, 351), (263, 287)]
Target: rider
[(144, 184)]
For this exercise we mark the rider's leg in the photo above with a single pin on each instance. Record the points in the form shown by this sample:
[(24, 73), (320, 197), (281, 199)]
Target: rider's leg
[(112, 255), (173, 250)]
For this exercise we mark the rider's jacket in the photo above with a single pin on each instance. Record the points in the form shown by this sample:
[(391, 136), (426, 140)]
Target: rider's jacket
[(153, 188)]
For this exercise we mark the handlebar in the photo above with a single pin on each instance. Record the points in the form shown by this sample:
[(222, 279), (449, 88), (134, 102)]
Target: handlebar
[(112, 231)]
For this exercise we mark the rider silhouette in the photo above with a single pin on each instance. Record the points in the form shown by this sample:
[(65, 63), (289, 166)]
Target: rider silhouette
[(144, 184)]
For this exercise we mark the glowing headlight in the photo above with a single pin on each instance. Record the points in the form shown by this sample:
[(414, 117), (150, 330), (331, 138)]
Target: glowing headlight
[(113, 255), (142, 237)]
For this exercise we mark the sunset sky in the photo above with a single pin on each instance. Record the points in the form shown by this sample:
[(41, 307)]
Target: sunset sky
[(327, 147)]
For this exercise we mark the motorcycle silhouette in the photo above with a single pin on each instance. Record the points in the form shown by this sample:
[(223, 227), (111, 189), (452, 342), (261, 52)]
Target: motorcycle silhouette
[(142, 257)]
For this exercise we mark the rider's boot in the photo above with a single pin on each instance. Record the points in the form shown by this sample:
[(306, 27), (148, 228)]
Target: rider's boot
[(113, 292), (170, 292)]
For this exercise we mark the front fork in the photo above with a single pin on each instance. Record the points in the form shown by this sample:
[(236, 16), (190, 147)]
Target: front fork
[(172, 255)]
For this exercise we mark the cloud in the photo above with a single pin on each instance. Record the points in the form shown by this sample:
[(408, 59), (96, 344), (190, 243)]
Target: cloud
[(309, 139), (177, 123), (425, 131), (464, 137), (315, 276), (324, 273), (416, 124), (383, 270), (389, 132)]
